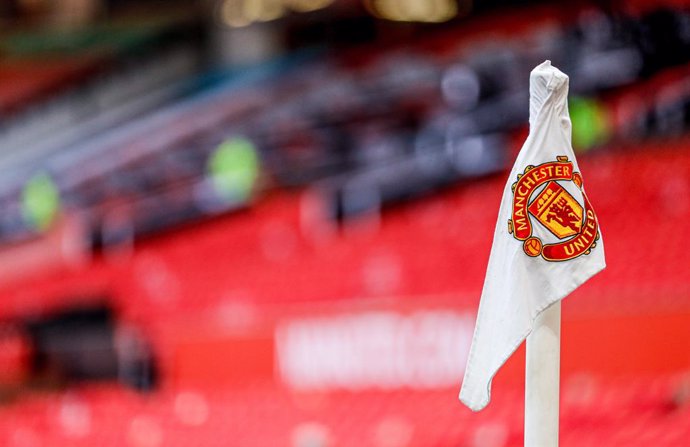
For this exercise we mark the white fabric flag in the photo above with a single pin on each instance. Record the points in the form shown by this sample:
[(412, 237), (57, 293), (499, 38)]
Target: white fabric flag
[(547, 240)]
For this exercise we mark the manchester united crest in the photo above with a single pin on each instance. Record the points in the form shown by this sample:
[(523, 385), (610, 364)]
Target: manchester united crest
[(568, 228)]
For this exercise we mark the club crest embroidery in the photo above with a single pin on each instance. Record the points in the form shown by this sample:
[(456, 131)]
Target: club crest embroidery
[(573, 227)]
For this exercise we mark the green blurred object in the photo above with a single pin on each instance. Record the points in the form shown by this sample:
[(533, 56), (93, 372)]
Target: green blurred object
[(40, 201), (590, 123), (120, 36), (234, 169)]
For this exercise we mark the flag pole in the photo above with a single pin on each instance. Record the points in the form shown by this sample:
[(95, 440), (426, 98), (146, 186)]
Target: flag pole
[(542, 374)]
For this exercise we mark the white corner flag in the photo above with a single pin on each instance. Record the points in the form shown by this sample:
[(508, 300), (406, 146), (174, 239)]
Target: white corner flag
[(547, 240)]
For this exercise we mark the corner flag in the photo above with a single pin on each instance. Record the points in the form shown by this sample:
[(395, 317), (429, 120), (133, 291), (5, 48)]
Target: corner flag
[(547, 240)]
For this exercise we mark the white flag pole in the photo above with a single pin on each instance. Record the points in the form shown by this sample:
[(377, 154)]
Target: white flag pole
[(542, 374)]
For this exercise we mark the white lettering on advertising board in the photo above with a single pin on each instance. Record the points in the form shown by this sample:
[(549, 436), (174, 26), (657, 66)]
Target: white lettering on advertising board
[(381, 349)]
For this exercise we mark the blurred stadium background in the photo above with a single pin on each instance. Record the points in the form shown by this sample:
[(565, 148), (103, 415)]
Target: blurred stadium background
[(266, 222)]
